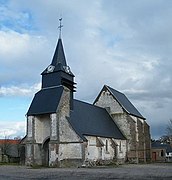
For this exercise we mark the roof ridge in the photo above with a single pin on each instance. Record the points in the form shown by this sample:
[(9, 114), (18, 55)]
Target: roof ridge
[(89, 104), (109, 87)]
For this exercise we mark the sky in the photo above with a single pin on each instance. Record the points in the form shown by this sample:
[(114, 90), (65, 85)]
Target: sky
[(125, 44)]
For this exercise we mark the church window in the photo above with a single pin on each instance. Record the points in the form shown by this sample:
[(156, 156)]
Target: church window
[(120, 147), (57, 149), (106, 145)]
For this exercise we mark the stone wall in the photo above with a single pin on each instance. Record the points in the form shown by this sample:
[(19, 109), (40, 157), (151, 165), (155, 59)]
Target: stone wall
[(65, 130), (122, 122), (106, 100), (158, 155), (147, 141), (38, 129), (135, 129), (141, 140), (29, 154), (101, 150), (66, 145), (51, 138), (133, 139), (121, 150)]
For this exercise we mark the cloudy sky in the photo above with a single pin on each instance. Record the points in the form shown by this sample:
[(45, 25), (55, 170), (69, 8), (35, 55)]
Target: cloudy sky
[(126, 44)]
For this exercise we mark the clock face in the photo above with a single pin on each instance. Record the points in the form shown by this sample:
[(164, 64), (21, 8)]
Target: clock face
[(50, 68), (67, 69)]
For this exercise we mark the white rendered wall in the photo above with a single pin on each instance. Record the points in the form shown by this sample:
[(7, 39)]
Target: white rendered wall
[(70, 151), (107, 153), (42, 128)]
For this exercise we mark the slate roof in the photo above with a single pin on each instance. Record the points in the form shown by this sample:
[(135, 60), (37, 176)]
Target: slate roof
[(87, 119), (59, 56), (124, 102), (46, 101), (159, 145), (59, 60)]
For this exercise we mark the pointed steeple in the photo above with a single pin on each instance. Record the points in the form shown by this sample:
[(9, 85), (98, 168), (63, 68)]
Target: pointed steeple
[(58, 72), (59, 61), (59, 56)]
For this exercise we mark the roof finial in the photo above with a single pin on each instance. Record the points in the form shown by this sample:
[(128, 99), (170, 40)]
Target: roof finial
[(60, 28)]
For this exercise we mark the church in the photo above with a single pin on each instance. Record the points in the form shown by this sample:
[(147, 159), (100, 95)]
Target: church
[(65, 132)]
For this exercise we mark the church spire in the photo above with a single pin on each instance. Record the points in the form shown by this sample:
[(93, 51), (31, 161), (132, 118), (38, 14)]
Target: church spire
[(59, 56), (58, 72), (59, 60)]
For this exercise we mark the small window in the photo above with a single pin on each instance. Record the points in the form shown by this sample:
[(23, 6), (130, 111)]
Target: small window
[(120, 147), (162, 153), (106, 145)]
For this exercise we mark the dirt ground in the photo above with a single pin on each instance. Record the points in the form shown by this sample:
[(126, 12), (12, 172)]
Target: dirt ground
[(139, 172)]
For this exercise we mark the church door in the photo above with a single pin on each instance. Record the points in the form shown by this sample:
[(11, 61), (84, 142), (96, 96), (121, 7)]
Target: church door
[(154, 156), (45, 155), (22, 155)]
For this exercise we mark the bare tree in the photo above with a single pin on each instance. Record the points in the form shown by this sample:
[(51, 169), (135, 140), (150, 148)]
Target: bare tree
[(5, 148), (10, 149), (169, 128), (167, 139), (164, 139)]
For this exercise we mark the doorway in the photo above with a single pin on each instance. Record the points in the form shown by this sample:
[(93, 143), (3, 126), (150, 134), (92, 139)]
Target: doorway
[(154, 156), (45, 154)]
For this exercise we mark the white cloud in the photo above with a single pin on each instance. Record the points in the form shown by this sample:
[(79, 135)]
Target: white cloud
[(22, 56), (15, 44), (125, 45), (12, 129), (23, 90)]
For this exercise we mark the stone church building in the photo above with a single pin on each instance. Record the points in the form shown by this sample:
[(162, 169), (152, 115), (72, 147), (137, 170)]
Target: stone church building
[(63, 131)]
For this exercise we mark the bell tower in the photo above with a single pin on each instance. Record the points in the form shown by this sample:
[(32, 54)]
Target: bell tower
[(49, 109), (58, 72)]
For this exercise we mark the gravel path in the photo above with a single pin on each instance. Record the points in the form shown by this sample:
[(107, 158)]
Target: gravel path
[(133, 172)]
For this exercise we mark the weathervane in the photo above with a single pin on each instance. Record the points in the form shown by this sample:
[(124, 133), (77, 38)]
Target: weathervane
[(60, 27)]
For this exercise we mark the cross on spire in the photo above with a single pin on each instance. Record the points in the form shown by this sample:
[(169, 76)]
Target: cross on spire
[(60, 28)]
